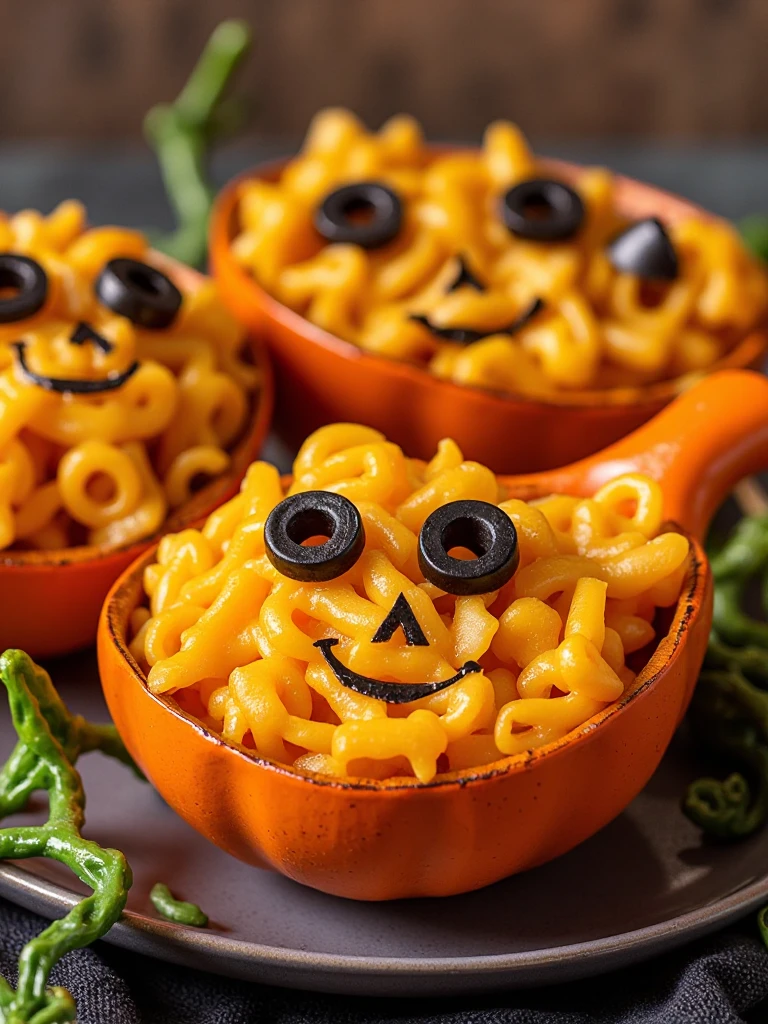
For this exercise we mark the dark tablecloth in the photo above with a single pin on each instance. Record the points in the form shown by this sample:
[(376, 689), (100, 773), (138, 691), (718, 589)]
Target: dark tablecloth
[(721, 980)]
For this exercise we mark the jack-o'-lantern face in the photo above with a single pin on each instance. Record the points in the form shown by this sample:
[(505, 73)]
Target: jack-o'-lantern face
[(483, 533), (121, 393), (379, 611), (487, 266), (96, 354)]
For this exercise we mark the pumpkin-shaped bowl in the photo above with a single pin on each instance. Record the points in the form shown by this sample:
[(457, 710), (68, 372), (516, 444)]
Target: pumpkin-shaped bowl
[(321, 378), (375, 840), (52, 599)]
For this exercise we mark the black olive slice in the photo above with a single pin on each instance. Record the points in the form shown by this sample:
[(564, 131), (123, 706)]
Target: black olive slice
[(542, 210), (365, 213), (30, 282), (314, 514), (461, 335), (465, 277), (140, 293), (468, 335), (392, 693), (525, 317), (84, 332), (401, 614), (74, 386), (485, 530), (644, 249)]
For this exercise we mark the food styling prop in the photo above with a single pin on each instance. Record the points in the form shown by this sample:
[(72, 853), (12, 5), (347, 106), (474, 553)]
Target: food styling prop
[(729, 713), (375, 840), (50, 741), (54, 596), (324, 377), (178, 911), (754, 230), (181, 133)]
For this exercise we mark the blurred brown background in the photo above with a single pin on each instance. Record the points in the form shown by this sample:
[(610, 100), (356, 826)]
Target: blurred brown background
[(644, 69)]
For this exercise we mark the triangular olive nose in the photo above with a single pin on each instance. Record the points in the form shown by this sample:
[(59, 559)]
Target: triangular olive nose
[(465, 277), (401, 615), (644, 249), (84, 332)]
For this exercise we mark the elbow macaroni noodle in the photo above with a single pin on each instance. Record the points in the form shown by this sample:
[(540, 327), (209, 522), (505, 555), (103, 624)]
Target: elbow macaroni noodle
[(106, 468), (597, 328), (233, 640)]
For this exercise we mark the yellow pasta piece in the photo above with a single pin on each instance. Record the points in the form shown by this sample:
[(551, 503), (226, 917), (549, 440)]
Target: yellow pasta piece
[(272, 692), (147, 516), (185, 556), (204, 460), (587, 612), (528, 628), (163, 637), (584, 671), (465, 708), (37, 511), (420, 738), (541, 721), (470, 480), (95, 459), (639, 491)]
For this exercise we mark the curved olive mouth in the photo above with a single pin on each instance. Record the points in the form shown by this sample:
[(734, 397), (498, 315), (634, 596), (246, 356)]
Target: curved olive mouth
[(392, 693), (71, 385), (468, 335)]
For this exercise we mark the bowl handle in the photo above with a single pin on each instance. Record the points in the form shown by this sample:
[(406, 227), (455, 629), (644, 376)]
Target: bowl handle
[(698, 447)]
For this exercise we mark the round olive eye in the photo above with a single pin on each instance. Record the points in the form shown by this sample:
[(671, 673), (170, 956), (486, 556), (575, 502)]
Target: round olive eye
[(542, 210), (314, 514), (140, 293), (366, 214), (489, 534), (644, 249), (28, 281)]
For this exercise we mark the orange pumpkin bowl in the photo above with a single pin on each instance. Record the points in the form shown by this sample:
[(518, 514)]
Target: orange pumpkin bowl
[(51, 599), (321, 378), (374, 840)]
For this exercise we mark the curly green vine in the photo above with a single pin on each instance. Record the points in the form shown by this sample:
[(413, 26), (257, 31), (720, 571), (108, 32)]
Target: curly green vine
[(729, 710), (50, 740)]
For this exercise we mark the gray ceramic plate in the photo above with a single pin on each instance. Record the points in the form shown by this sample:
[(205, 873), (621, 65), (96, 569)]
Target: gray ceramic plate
[(644, 884)]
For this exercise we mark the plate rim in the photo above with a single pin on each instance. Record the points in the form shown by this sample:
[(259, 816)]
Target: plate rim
[(384, 975)]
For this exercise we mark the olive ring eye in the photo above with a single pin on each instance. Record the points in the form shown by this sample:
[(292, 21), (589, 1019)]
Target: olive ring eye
[(314, 514), (542, 210), (366, 213), (140, 293), (485, 530), (30, 282)]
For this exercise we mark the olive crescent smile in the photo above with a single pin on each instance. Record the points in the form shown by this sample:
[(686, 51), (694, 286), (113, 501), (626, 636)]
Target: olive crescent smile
[(392, 693), (468, 335), (72, 385)]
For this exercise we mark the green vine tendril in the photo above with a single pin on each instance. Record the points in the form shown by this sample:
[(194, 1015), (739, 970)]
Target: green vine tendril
[(175, 910), (50, 740), (182, 132), (729, 710)]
